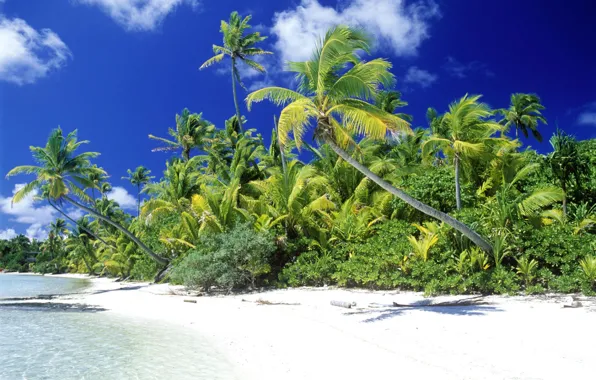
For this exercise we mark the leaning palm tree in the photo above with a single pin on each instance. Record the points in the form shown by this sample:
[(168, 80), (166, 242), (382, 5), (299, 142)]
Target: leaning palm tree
[(139, 178), (192, 131), (466, 130), (335, 90), (67, 174), (238, 47), (524, 115)]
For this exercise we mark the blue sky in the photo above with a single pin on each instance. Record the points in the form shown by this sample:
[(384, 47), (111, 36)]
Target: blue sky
[(118, 70)]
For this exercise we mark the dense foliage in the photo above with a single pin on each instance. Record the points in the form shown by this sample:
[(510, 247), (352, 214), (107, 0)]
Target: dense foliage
[(459, 206)]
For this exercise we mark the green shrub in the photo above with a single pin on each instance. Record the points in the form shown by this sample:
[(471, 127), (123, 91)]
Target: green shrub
[(310, 269), (228, 260), (375, 263)]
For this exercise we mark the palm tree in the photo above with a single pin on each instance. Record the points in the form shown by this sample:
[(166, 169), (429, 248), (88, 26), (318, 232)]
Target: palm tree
[(465, 131), (335, 89), (174, 192), (291, 197), (67, 173), (139, 177), (566, 162), (58, 227), (192, 131), (237, 46), (524, 115)]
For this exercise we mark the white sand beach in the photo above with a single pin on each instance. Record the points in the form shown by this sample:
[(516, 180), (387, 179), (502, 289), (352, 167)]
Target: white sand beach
[(507, 338)]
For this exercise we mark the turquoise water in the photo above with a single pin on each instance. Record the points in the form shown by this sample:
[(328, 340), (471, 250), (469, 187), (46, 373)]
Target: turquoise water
[(42, 343)]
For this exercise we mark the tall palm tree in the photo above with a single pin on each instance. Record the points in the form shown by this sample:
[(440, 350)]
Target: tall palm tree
[(66, 174), (524, 115), (192, 131), (139, 178), (335, 91), (238, 47), (466, 128)]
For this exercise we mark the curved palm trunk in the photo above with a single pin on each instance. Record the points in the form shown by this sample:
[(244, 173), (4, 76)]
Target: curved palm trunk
[(454, 223), (281, 149), (235, 96), (158, 259), (77, 224), (457, 186)]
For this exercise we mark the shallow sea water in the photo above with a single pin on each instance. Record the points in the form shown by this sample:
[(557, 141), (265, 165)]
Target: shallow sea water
[(42, 343)]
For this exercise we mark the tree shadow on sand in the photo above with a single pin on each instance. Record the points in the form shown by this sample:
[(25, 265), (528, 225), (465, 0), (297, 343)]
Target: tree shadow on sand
[(380, 314)]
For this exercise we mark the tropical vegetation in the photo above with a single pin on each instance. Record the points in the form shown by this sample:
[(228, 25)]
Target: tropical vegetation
[(376, 200)]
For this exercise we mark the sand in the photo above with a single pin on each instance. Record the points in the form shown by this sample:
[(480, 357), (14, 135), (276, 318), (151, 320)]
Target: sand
[(508, 338)]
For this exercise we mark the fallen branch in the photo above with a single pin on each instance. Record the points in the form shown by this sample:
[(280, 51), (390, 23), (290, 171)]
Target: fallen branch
[(265, 302), (478, 300)]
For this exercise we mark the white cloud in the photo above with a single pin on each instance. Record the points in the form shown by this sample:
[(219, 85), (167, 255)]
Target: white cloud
[(460, 70), (123, 197), (26, 54), (420, 77), (587, 118), (395, 25), (8, 233), (138, 15), (26, 212), (75, 213), (36, 231)]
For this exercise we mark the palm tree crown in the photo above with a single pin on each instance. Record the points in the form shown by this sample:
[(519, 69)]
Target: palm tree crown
[(238, 46), (524, 114), (192, 131), (139, 177), (334, 91)]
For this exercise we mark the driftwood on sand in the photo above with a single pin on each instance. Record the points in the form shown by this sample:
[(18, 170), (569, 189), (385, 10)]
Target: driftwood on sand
[(347, 305), (470, 301)]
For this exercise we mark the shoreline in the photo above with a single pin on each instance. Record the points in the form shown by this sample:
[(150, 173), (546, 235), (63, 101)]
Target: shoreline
[(307, 338)]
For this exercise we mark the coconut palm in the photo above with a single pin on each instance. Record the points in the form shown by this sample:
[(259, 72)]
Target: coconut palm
[(238, 47), (524, 115), (174, 192), (335, 91), (66, 174), (291, 197), (139, 178), (465, 131), (192, 131)]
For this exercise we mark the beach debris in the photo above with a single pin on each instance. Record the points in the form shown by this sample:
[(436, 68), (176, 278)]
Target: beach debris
[(470, 301), (347, 305), (261, 301), (190, 301), (571, 302)]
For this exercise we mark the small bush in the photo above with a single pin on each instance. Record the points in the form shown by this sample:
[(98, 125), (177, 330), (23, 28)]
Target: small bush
[(310, 269), (234, 259)]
